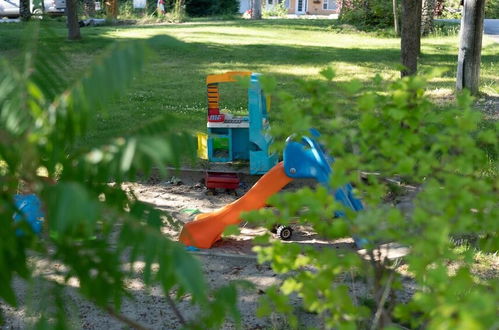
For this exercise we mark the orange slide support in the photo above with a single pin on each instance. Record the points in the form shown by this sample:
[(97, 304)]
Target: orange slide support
[(207, 228)]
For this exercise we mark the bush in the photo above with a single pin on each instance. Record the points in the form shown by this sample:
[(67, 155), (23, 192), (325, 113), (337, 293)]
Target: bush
[(278, 10), (450, 9), (445, 29), (367, 13), (453, 8), (200, 8), (492, 9), (446, 158)]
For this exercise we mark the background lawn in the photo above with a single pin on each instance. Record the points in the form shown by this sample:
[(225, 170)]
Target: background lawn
[(172, 81)]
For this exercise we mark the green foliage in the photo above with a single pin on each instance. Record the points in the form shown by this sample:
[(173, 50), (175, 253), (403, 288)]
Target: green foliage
[(200, 8), (396, 135), (277, 10), (178, 12), (492, 9), (92, 227), (367, 14), (450, 9), (444, 29), (125, 9)]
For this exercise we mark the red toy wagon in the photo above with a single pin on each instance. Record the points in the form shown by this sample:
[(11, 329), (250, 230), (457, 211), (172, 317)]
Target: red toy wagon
[(221, 180)]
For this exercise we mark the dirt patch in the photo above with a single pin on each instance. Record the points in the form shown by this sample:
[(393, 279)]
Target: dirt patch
[(489, 105), (229, 259)]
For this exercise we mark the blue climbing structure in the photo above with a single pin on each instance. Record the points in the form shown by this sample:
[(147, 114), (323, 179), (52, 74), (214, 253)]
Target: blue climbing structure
[(259, 142), (307, 159), (30, 210)]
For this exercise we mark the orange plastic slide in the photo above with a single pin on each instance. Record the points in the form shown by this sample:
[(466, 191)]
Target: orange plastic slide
[(207, 228)]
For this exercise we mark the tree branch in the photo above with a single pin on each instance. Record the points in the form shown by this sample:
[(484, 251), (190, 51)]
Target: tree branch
[(175, 309), (382, 301)]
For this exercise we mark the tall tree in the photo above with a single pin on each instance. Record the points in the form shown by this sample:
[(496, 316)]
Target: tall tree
[(24, 10), (256, 9), (428, 13), (73, 26), (411, 35), (470, 46)]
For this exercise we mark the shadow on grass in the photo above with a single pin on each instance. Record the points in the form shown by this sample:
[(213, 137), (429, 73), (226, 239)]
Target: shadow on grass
[(294, 24), (173, 80)]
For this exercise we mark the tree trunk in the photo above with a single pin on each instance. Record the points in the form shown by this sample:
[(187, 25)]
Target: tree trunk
[(470, 46), (89, 8), (111, 9), (256, 9), (24, 10), (411, 36), (73, 26), (395, 18), (428, 13)]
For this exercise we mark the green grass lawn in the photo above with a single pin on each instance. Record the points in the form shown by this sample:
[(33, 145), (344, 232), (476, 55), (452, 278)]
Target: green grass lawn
[(172, 81)]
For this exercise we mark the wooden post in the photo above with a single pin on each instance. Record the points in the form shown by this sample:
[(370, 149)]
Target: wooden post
[(411, 36), (470, 46)]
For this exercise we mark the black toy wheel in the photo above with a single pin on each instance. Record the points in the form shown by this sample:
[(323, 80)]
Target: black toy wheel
[(284, 232)]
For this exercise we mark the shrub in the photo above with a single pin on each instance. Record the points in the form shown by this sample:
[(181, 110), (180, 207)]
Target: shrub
[(448, 9), (393, 136), (453, 8), (200, 8), (492, 9), (367, 13), (277, 10)]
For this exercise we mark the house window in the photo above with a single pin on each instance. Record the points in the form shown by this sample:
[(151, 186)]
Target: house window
[(270, 2), (329, 5), (286, 3)]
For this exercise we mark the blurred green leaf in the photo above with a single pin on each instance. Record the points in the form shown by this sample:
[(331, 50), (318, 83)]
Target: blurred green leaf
[(231, 230)]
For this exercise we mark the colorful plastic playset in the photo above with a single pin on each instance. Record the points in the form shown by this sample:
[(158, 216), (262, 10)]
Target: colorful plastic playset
[(304, 159), (231, 138)]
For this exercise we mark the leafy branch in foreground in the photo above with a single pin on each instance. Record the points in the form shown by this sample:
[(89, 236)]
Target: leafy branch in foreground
[(447, 157), (97, 231)]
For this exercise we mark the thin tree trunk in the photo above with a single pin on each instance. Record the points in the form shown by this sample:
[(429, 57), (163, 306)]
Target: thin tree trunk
[(73, 26), (395, 18), (24, 10), (411, 36), (112, 9), (470, 46), (427, 16), (256, 9)]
